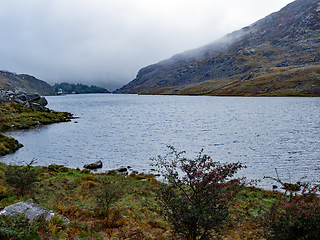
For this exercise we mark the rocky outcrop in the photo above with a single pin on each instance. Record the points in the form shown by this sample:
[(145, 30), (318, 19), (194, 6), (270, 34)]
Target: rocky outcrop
[(28, 100), (276, 48), (32, 211)]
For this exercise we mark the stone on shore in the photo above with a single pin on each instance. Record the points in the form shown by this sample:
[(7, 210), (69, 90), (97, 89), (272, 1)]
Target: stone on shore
[(32, 211), (94, 165)]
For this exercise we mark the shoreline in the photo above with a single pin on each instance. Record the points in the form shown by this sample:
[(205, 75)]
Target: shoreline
[(74, 194), (15, 116)]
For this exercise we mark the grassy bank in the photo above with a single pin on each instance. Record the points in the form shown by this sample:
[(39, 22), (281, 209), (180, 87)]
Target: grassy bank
[(135, 215), (15, 116), (8, 145)]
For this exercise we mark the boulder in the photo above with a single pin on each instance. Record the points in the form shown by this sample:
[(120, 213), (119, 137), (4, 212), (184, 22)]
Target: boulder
[(21, 97), (94, 165), (43, 101), (31, 210), (10, 93), (123, 169), (2, 99), (33, 97), (36, 98), (20, 92)]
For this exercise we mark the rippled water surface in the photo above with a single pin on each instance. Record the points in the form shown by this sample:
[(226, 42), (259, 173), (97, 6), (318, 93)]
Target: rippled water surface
[(128, 130)]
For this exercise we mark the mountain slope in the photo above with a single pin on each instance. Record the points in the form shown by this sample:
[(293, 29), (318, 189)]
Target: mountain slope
[(25, 83), (277, 55)]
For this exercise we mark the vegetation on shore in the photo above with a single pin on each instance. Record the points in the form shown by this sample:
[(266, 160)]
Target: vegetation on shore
[(135, 215), (15, 116), (8, 145), (111, 206)]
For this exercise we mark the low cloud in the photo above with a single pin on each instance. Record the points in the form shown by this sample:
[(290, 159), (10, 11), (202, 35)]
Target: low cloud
[(106, 42)]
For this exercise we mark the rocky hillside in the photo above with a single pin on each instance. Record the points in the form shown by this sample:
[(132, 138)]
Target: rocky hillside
[(24, 82), (276, 56)]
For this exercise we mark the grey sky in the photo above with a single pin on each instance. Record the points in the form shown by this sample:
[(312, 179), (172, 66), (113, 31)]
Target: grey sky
[(106, 42)]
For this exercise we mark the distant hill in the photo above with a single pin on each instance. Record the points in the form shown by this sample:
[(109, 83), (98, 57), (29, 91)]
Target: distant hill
[(24, 82), (61, 88), (275, 56)]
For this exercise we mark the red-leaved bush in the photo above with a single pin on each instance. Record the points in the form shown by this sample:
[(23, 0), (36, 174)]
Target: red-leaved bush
[(297, 217), (197, 194)]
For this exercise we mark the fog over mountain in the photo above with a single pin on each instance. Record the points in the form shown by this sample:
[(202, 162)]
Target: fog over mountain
[(105, 42), (275, 56)]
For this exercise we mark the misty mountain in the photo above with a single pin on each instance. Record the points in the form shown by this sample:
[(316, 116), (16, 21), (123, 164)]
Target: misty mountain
[(277, 55), (24, 82)]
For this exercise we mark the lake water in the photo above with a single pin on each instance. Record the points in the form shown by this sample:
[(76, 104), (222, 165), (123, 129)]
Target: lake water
[(128, 130)]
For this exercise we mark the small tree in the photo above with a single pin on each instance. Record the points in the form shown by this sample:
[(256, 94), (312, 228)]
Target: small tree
[(108, 194), (197, 194), (21, 177)]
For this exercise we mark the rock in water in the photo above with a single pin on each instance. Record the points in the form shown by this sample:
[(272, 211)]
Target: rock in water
[(94, 165), (31, 210), (122, 169)]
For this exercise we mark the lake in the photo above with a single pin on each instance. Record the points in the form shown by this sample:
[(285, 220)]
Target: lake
[(127, 130)]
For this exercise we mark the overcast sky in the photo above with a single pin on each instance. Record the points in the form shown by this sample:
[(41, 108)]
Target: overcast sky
[(106, 42)]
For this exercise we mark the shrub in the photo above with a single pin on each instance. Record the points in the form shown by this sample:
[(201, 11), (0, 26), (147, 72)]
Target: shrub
[(57, 168), (197, 194), (20, 177), (295, 217), (295, 220), (109, 193), (88, 185)]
